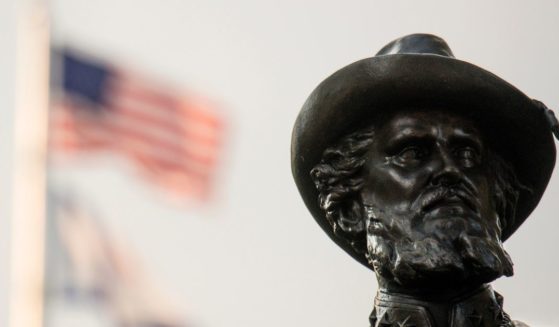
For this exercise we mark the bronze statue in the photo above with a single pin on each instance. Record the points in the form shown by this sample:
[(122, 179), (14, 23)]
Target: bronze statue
[(419, 166)]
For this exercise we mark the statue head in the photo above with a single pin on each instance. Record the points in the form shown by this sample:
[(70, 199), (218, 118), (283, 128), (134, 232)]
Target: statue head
[(423, 197), (420, 165)]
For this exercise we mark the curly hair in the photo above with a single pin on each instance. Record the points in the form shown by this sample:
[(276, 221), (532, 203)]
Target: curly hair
[(339, 179)]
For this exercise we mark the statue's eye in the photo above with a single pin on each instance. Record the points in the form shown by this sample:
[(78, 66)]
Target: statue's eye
[(411, 153), (468, 156)]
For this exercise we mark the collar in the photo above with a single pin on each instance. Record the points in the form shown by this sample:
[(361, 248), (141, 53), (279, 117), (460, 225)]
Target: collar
[(480, 308)]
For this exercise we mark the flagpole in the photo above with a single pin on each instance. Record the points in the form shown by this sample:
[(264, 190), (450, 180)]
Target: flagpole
[(29, 184)]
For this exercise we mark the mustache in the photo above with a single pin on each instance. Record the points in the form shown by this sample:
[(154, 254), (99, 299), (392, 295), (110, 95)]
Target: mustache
[(463, 191)]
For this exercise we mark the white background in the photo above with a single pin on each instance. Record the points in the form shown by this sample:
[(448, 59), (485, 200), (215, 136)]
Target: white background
[(257, 258)]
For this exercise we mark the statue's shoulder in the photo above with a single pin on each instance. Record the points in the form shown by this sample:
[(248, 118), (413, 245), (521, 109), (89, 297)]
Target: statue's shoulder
[(517, 323)]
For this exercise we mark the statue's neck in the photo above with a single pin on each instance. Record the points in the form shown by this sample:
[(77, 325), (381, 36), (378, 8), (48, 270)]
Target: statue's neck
[(479, 306), (431, 293)]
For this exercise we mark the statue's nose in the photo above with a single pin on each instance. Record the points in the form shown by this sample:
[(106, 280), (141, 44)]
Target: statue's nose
[(447, 172)]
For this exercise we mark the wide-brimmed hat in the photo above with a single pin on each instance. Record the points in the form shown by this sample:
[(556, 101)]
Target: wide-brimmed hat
[(420, 71)]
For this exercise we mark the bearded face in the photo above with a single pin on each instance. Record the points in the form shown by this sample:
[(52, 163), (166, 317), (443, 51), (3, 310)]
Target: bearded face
[(429, 215), (455, 251)]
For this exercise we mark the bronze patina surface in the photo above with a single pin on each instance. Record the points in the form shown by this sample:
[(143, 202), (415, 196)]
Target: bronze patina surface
[(420, 166)]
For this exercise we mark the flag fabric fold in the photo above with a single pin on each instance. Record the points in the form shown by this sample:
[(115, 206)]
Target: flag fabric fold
[(174, 139)]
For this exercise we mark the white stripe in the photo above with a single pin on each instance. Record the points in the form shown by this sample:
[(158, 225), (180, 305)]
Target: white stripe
[(174, 117), (158, 133), (155, 137)]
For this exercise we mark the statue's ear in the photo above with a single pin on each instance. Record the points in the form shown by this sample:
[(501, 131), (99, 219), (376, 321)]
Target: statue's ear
[(350, 218), (347, 217), (350, 223)]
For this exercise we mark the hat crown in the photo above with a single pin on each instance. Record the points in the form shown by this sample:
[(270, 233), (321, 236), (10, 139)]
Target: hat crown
[(417, 44)]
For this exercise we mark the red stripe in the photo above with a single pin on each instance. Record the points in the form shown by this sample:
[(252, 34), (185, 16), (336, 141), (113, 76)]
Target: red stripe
[(171, 127), (130, 135), (175, 143), (76, 146), (158, 136), (161, 165), (195, 109), (70, 131), (202, 116), (69, 140), (145, 94), (179, 183), (123, 135)]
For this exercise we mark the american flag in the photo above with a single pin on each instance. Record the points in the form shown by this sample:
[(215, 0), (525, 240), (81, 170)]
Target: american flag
[(174, 139), (95, 276)]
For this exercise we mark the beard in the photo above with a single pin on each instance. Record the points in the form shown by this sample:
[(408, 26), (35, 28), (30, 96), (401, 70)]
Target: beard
[(453, 251)]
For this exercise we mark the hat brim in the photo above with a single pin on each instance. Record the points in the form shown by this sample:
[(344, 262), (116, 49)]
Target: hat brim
[(355, 95)]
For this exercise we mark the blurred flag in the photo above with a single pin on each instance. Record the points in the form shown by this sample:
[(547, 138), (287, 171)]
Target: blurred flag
[(175, 139), (99, 277)]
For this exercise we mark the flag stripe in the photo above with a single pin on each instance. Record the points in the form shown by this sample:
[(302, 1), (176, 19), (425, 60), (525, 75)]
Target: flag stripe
[(127, 127), (167, 104), (166, 131), (131, 142), (180, 119), (175, 140)]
